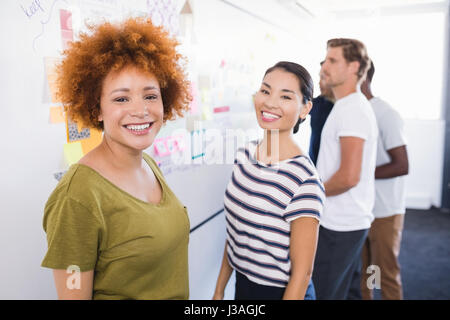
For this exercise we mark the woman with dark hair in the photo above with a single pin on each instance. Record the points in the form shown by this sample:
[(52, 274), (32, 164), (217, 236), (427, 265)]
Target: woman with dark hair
[(273, 185)]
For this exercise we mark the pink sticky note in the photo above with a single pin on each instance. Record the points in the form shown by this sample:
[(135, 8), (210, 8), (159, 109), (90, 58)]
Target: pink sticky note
[(160, 147), (181, 142), (171, 145), (221, 109), (65, 19), (193, 106)]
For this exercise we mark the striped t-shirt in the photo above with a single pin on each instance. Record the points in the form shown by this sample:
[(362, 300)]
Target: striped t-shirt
[(260, 202)]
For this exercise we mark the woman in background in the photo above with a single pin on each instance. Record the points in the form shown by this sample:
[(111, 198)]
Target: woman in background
[(112, 216), (275, 197)]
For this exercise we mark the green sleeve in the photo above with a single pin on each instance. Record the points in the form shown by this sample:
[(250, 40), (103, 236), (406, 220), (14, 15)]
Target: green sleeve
[(73, 235)]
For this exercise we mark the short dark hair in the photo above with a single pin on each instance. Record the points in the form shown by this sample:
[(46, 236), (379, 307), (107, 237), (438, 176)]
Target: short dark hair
[(371, 71), (304, 78)]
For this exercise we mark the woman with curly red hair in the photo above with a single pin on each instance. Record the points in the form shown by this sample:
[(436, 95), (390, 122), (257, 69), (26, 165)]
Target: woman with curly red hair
[(112, 217)]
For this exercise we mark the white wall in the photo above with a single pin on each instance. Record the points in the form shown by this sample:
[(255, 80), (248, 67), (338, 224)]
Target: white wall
[(410, 72), (426, 156), (32, 147)]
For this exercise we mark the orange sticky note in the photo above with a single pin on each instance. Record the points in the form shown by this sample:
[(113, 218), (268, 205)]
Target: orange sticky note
[(50, 70), (91, 142), (80, 125), (56, 115)]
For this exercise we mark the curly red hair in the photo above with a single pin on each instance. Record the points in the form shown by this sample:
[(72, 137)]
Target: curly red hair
[(111, 47)]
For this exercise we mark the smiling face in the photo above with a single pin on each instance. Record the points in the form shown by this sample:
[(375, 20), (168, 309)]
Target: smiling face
[(131, 108), (278, 103)]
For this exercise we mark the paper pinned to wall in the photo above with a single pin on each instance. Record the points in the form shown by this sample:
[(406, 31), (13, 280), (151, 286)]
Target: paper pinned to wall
[(160, 147), (94, 140), (186, 8), (206, 113), (56, 115), (50, 71), (73, 152), (193, 106), (59, 175), (65, 18), (76, 131)]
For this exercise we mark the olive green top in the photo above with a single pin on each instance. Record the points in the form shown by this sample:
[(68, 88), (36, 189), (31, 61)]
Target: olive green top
[(138, 250)]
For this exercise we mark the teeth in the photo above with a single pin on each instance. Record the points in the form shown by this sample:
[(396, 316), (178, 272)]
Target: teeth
[(269, 115), (138, 127)]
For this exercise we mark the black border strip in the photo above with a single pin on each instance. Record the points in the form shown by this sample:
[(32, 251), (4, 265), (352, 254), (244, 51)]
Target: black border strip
[(206, 220)]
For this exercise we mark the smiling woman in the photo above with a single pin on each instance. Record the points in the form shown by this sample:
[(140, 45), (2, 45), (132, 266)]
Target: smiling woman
[(131, 108), (275, 198), (112, 216)]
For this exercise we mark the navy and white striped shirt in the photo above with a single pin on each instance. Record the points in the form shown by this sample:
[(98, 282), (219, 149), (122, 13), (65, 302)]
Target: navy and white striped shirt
[(260, 202)]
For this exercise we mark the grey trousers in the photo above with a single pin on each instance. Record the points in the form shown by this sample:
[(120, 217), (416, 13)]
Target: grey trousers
[(337, 262)]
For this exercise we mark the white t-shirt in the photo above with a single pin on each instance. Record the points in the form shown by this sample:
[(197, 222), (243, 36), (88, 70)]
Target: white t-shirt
[(390, 193), (351, 116)]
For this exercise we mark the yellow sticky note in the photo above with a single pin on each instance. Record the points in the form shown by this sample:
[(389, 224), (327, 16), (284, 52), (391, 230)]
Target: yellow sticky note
[(73, 152), (91, 142), (56, 115), (206, 113)]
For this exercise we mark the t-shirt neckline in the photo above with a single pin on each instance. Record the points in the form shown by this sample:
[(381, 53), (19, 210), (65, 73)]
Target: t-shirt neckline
[(163, 188), (252, 153)]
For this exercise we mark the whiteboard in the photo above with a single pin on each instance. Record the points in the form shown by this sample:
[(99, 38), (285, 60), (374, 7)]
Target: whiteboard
[(32, 147)]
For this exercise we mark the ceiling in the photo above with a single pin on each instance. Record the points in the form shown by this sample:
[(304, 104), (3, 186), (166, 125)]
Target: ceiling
[(346, 8), (282, 10)]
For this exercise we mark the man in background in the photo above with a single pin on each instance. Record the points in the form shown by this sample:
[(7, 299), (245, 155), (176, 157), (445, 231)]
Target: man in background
[(382, 246), (322, 106), (346, 163)]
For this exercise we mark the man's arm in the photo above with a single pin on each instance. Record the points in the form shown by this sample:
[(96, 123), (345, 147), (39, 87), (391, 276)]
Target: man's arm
[(349, 172), (398, 166)]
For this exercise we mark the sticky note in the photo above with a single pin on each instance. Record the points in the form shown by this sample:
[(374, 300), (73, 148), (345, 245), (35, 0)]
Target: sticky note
[(65, 18), (161, 147), (171, 145), (181, 142), (221, 109), (50, 70), (193, 106), (73, 152), (56, 115), (206, 113), (91, 142)]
